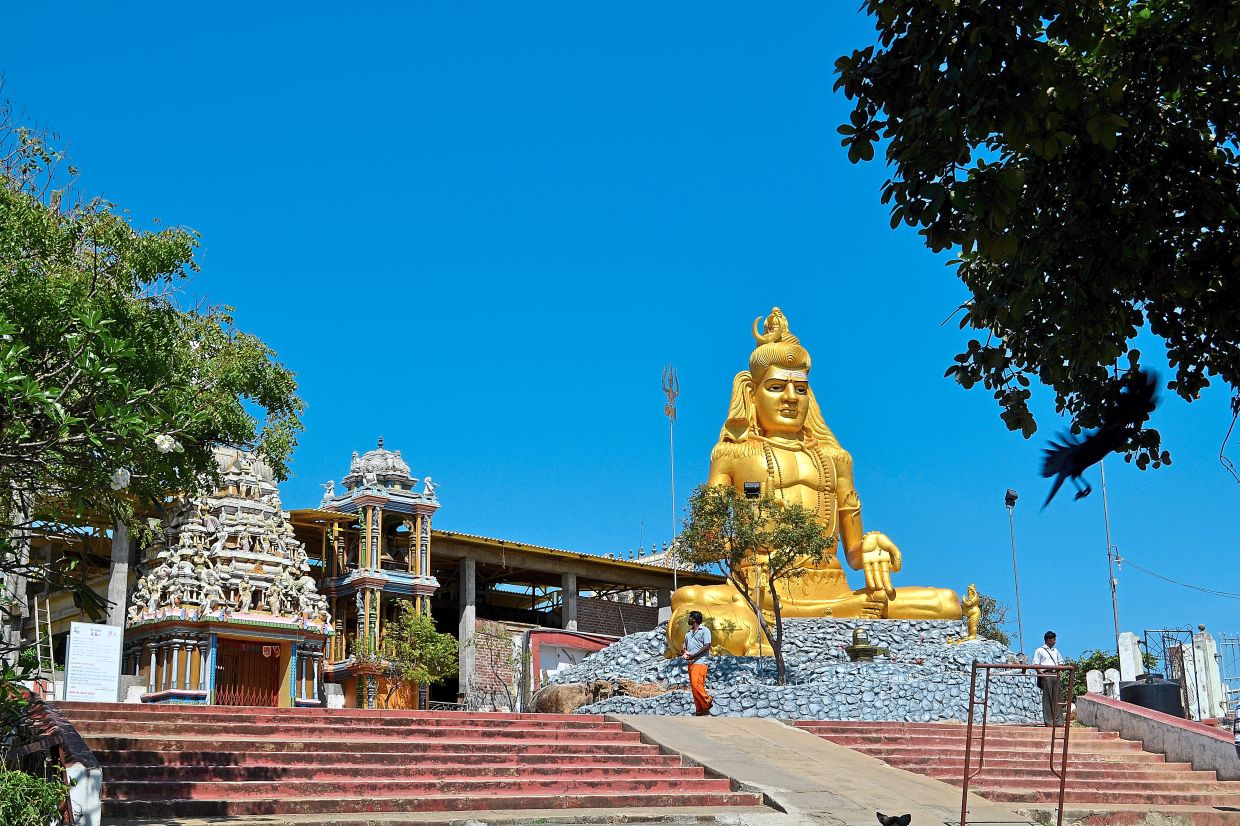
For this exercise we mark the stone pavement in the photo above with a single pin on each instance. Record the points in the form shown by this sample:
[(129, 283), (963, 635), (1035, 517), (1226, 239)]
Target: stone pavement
[(812, 780)]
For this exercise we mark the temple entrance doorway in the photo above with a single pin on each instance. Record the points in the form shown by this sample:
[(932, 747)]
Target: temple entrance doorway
[(247, 673)]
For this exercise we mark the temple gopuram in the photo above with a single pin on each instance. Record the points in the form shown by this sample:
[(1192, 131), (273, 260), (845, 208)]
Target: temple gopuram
[(226, 611), (375, 541)]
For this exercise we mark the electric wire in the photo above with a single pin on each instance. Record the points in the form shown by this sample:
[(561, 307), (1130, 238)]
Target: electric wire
[(1156, 575)]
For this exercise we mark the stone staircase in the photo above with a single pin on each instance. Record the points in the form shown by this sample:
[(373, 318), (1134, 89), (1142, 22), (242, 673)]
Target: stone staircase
[(203, 761), (1103, 770)]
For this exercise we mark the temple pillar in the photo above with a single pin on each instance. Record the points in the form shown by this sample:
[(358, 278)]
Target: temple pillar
[(118, 579), (150, 678), (176, 666), (568, 611), (203, 663), (465, 634), (380, 539), (314, 676)]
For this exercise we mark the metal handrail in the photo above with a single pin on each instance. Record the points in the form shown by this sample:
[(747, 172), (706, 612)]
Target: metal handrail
[(1017, 670)]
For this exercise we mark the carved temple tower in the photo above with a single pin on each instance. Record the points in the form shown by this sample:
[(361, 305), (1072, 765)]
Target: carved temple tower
[(376, 536), (225, 610)]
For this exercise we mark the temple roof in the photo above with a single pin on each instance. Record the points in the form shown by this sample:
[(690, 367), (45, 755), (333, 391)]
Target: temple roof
[(384, 467)]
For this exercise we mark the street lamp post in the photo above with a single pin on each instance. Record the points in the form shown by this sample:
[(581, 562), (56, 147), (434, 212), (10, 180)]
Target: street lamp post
[(1009, 499)]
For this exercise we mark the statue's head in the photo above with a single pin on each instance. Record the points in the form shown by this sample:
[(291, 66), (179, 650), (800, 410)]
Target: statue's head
[(773, 397)]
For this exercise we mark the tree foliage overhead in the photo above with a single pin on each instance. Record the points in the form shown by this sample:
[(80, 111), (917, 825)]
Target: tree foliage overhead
[(112, 391), (113, 394), (753, 542), (1081, 159)]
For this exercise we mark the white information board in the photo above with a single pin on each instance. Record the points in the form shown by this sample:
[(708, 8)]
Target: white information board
[(93, 663)]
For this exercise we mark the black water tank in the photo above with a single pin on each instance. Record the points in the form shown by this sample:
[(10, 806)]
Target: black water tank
[(1153, 692)]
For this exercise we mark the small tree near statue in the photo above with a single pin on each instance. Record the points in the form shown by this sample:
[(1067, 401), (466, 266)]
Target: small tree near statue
[(756, 543)]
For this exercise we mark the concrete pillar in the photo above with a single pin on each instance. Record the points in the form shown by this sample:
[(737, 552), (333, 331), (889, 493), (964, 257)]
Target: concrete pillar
[(1209, 680), (568, 613), (176, 667), (1130, 664), (118, 580), (465, 635)]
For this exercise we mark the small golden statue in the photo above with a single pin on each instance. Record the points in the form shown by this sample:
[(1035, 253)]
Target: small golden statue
[(971, 613), (775, 437)]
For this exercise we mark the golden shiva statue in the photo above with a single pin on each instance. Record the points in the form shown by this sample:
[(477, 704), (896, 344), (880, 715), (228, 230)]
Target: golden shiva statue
[(775, 436)]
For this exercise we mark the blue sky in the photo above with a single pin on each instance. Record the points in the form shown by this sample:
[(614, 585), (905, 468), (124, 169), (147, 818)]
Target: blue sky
[(480, 230)]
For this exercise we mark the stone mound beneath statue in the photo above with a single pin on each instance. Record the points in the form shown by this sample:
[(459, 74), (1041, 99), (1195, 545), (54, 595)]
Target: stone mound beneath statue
[(924, 679)]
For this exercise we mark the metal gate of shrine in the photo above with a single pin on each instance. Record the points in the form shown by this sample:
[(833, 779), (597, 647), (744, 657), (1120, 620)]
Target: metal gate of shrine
[(247, 674)]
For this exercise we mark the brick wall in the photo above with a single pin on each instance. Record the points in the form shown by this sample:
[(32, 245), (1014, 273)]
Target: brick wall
[(617, 619), (496, 682)]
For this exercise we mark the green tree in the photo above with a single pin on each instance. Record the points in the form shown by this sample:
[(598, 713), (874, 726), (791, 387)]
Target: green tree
[(414, 652), (113, 394), (993, 621), (729, 533), (1101, 660), (1081, 161)]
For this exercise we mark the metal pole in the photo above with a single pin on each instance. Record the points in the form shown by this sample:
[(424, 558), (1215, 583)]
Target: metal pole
[(671, 389), (1010, 500), (1112, 554), (671, 549)]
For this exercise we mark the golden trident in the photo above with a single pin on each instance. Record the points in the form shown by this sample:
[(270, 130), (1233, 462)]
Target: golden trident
[(671, 388)]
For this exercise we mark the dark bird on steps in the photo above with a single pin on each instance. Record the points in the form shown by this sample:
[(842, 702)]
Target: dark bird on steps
[(902, 820), (1073, 455)]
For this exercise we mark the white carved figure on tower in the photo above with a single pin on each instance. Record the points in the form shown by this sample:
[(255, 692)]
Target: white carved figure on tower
[(429, 487), (275, 597), (245, 592)]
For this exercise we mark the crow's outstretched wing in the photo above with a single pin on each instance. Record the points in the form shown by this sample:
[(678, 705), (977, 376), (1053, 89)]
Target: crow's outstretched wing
[(1061, 461), (1071, 457)]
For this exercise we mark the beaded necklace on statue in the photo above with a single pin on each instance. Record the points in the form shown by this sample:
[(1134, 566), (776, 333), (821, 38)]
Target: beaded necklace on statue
[(775, 475)]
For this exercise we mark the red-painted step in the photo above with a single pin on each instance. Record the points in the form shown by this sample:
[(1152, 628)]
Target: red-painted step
[(1102, 768), (202, 761)]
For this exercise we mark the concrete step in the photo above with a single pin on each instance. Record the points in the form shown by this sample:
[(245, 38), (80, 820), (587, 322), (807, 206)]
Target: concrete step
[(288, 717), (1102, 796), (939, 742), (566, 783), (77, 710), (402, 761), (392, 745), (1181, 772), (994, 751), (1010, 732), (442, 773), (302, 732), (155, 809)]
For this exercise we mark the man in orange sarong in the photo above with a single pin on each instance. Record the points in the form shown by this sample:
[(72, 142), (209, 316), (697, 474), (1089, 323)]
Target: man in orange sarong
[(697, 648)]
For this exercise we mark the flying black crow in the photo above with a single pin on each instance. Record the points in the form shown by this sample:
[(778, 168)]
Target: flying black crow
[(1072, 456)]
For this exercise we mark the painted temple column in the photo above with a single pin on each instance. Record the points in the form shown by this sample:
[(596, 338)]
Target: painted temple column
[(150, 680), (377, 534), (568, 612), (465, 634), (176, 666), (203, 663), (118, 579)]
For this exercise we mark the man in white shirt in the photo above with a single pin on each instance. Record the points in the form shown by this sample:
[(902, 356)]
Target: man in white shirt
[(1049, 681), (697, 648)]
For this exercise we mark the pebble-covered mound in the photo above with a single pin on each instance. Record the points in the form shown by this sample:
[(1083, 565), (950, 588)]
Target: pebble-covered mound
[(923, 679)]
